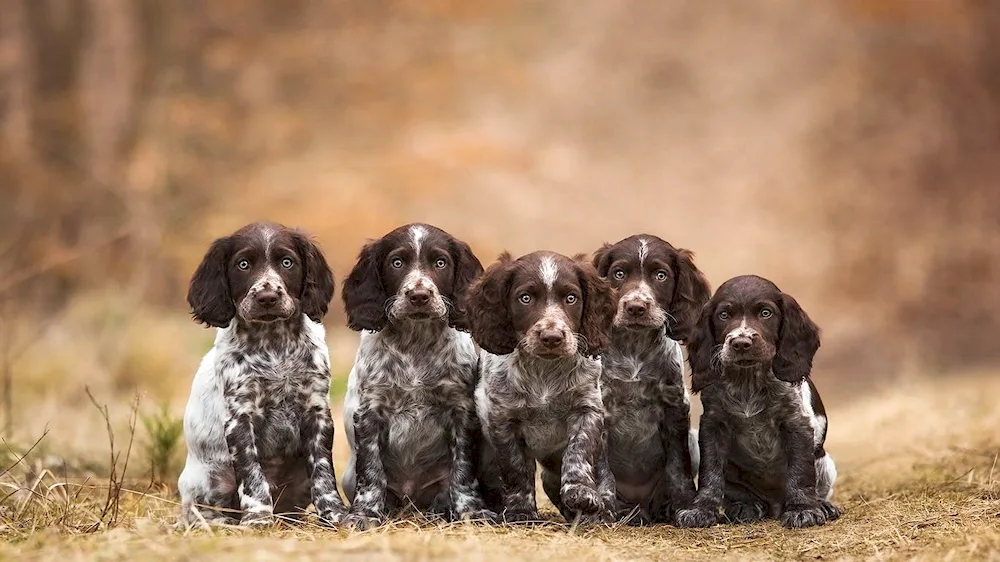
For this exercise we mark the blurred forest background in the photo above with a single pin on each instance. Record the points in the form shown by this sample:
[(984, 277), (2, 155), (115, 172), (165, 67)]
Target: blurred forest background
[(847, 149)]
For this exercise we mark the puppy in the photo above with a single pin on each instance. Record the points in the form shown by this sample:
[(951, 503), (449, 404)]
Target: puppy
[(764, 425), (409, 411), (650, 441), (258, 427), (542, 320)]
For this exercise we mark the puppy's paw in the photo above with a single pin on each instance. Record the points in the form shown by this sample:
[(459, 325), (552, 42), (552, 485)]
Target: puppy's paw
[(257, 519), (518, 517), (800, 516), (479, 516), (832, 512), (578, 497), (595, 519), (740, 512), (696, 517), (332, 517), (361, 521)]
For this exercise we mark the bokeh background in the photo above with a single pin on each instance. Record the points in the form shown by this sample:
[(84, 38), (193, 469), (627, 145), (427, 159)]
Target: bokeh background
[(846, 149)]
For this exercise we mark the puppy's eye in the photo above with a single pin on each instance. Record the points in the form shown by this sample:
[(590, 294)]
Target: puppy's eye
[(724, 315), (766, 313), (524, 298), (441, 263), (243, 264), (618, 274), (396, 263), (661, 275), (287, 263), (571, 299)]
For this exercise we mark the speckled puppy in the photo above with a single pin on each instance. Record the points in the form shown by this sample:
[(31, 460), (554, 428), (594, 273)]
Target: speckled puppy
[(650, 441), (257, 426), (542, 320), (409, 410), (763, 428)]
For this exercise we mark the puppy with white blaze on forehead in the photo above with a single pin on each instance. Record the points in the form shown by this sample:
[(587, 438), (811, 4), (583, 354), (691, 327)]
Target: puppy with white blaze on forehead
[(409, 409), (543, 321), (651, 446), (258, 427), (764, 425)]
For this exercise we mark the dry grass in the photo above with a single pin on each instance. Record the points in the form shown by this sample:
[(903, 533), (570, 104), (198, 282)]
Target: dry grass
[(919, 479)]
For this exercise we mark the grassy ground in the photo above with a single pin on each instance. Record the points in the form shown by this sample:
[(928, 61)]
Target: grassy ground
[(919, 480)]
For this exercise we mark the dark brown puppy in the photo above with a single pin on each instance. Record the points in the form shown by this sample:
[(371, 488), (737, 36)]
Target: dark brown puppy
[(764, 425), (541, 320), (650, 442)]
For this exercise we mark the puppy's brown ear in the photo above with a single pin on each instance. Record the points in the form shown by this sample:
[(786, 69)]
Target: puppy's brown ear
[(691, 292), (364, 294), (486, 306), (602, 259), (598, 310), (467, 269), (798, 342), (208, 294), (701, 348), (317, 283)]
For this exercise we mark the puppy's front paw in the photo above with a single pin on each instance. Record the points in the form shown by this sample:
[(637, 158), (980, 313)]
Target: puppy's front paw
[(696, 517), (832, 512), (578, 497), (362, 521), (479, 515), (332, 517), (803, 516), (259, 518), (511, 516)]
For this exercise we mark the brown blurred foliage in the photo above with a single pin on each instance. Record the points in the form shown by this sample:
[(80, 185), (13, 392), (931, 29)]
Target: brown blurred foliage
[(133, 131)]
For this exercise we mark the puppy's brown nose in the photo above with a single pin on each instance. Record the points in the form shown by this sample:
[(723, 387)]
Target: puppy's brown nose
[(267, 298), (551, 338), (741, 343), (418, 297), (635, 309)]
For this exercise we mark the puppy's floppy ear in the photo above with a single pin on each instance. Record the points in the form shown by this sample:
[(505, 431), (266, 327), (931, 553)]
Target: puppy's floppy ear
[(208, 293), (602, 259), (317, 282), (486, 302), (701, 350), (798, 342), (691, 292), (599, 308), (467, 270), (363, 294)]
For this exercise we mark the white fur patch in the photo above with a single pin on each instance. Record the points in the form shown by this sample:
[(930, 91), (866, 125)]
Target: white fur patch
[(643, 251), (742, 331), (417, 234), (818, 423), (549, 271)]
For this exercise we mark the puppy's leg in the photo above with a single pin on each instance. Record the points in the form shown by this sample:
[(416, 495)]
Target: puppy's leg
[(802, 506), (674, 433), (317, 434), (551, 483), (606, 487), (207, 494), (251, 483), (371, 434), (517, 470), (714, 447), (579, 487), (466, 503)]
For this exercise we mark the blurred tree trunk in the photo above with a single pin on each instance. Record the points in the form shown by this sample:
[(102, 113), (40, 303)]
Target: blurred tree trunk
[(16, 78)]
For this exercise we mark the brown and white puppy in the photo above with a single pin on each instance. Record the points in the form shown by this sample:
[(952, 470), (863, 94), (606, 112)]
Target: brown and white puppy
[(409, 411), (257, 425), (542, 320), (650, 441), (764, 425)]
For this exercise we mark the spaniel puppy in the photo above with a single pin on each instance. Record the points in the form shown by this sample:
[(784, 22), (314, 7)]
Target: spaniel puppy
[(409, 411), (660, 294), (763, 428), (258, 427), (542, 320)]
